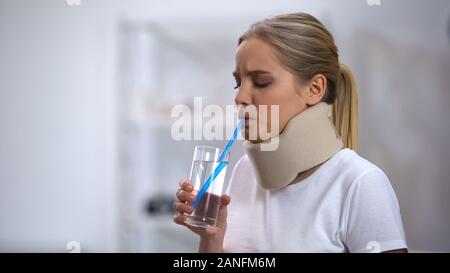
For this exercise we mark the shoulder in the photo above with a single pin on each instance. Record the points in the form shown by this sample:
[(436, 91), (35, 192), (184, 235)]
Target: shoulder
[(367, 186), (351, 163), (371, 211), (350, 167)]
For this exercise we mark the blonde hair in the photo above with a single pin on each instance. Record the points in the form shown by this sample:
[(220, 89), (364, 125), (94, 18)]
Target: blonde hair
[(306, 48)]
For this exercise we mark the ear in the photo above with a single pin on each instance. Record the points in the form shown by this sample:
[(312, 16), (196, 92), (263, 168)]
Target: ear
[(316, 89)]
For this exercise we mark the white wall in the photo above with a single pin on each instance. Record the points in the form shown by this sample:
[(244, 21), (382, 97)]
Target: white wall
[(57, 148)]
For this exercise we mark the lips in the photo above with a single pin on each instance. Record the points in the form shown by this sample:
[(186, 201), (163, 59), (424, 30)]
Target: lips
[(245, 116), (249, 121)]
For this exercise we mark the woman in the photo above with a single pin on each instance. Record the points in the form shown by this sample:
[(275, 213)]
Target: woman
[(313, 193)]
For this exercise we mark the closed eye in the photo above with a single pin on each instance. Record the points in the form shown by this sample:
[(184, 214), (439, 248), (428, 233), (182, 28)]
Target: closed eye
[(261, 85)]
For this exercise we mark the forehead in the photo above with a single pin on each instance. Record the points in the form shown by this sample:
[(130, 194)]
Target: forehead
[(254, 54)]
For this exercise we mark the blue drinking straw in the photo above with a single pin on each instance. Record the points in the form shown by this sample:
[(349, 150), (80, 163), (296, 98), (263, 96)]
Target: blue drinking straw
[(220, 167)]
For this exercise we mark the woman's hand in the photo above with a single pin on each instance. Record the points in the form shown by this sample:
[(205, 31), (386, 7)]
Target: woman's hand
[(211, 238)]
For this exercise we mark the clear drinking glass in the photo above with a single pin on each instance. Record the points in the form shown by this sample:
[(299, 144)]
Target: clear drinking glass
[(205, 161)]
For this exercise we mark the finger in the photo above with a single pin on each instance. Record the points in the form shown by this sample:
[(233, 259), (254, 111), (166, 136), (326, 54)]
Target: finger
[(179, 219), (185, 196), (181, 207), (186, 185)]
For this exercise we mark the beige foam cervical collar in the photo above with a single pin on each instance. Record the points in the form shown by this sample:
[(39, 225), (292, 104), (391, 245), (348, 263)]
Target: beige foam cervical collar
[(308, 140)]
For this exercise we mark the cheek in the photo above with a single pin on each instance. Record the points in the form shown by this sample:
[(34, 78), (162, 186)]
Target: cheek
[(287, 96), (290, 104)]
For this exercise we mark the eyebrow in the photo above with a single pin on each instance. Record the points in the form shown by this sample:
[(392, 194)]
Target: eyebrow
[(252, 72)]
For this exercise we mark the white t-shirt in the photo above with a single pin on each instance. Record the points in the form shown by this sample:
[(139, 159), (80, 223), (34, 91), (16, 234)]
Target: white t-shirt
[(346, 205)]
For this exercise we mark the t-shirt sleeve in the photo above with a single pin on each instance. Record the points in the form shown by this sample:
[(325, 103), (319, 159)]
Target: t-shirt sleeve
[(373, 222)]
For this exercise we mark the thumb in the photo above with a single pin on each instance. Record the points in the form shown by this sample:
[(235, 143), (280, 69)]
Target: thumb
[(224, 201), (222, 217)]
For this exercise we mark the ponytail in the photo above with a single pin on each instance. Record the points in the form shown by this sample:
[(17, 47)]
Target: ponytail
[(345, 108)]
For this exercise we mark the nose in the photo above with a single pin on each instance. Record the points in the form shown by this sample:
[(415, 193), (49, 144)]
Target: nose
[(243, 97)]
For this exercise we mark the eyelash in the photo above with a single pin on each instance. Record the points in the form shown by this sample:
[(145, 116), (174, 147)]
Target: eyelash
[(262, 85), (257, 85)]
